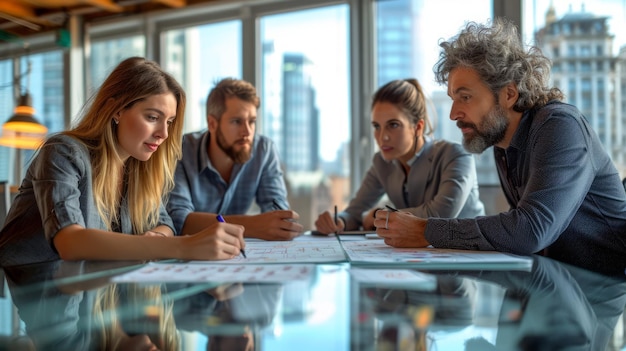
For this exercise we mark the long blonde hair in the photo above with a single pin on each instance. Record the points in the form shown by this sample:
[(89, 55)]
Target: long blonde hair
[(134, 79), (148, 302)]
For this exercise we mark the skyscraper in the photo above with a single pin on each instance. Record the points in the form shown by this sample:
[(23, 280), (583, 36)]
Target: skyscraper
[(300, 119), (589, 74), (395, 40)]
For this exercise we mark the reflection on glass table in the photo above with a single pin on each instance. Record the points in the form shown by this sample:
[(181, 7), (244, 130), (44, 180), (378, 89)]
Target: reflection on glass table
[(552, 307), (76, 306), (80, 306)]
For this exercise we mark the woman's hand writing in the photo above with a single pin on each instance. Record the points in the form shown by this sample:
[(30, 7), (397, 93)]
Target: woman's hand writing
[(219, 241)]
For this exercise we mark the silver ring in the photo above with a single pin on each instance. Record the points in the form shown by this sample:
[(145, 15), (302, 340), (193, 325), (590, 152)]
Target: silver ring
[(387, 221)]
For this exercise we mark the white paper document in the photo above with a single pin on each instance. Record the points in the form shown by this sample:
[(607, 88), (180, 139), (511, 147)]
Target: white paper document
[(192, 272), (376, 252), (301, 250)]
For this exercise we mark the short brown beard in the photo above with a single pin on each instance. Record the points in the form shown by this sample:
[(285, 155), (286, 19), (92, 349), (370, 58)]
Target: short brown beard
[(241, 156)]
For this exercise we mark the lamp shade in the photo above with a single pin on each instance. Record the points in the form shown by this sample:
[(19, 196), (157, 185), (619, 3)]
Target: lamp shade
[(22, 130)]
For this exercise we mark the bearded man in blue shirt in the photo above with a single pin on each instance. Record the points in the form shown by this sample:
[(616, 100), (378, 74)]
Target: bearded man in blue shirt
[(227, 167)]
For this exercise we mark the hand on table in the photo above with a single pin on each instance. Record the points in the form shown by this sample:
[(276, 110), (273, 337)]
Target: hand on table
[(401, 229), (219, 241), (275, 225), (325, 224)]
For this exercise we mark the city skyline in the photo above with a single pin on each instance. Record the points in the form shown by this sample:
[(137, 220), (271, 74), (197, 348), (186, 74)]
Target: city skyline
[(290, 33), (615, 10)]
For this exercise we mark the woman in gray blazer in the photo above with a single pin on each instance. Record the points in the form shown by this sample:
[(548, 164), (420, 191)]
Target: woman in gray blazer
[(429, 178)]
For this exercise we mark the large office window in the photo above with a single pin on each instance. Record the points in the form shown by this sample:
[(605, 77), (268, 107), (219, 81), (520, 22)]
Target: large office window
[(587, 24), (407, 36), (107, 53), (40, 75), (406, 46), (45, 84), (6, 110), (198, 57), (306, 104)]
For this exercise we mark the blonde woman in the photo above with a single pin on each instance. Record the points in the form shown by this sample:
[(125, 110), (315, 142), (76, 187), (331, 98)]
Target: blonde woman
[(88, 188)]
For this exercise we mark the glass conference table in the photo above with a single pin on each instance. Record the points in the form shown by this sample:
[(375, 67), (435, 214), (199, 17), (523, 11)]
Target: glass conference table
[(319, 306)]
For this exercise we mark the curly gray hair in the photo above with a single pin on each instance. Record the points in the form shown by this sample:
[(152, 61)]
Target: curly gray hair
[(497, 54)]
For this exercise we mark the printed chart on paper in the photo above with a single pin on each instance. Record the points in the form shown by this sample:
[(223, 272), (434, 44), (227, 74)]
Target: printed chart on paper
[(377, 252), (190, 272), (319, 250)]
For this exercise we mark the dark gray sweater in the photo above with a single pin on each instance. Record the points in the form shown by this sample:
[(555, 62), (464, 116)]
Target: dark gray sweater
[(566, 196)]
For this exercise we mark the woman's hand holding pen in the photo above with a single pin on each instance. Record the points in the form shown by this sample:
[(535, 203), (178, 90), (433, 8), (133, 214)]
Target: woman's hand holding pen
[(325, 224), (400, 229), (219, 241)]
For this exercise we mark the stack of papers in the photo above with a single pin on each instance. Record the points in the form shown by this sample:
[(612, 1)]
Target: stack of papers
[(376, 252), (303, 250), (276, 261), (208, 272)]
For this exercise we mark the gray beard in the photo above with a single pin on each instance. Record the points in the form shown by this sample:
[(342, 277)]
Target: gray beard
[(492, 131)]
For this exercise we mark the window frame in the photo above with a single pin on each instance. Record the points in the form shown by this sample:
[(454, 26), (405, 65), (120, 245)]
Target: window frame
[(361, 51)]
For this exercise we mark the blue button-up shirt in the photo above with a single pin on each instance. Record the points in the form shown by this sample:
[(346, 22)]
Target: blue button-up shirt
[(200, 188)]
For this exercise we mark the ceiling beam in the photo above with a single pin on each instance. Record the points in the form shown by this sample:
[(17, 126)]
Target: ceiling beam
[(107, 5), (18, 11), (172, 3), (18, 21)]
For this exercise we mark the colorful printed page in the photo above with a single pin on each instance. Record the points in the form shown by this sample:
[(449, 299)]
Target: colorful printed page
[(376, 252), (191, 272), (302, 250)]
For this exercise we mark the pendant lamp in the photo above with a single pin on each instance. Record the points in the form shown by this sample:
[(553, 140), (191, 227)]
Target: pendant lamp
[(22, 130)]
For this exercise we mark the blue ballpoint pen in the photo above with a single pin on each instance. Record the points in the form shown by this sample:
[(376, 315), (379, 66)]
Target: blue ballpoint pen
[(221, 219)]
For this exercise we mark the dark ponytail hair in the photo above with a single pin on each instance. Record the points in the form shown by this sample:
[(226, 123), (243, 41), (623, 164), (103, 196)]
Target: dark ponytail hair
[(407, 95)]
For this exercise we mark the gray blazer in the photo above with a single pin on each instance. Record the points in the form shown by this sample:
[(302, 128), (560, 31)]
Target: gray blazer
[(441, 183)]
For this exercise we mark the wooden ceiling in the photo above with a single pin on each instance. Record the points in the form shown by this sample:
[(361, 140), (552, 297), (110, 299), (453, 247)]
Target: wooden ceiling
[(20, 18)]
